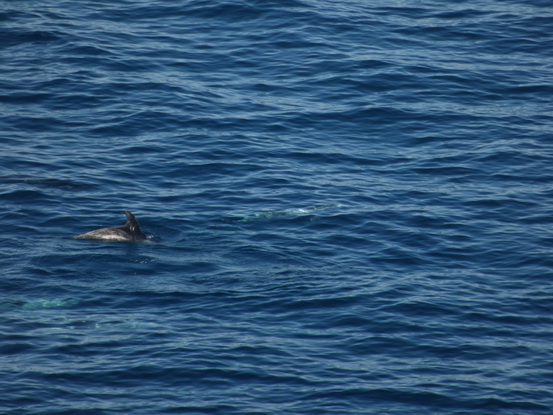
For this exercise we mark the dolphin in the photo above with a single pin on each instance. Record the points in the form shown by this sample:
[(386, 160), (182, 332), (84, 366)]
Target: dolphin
[(130, 231)]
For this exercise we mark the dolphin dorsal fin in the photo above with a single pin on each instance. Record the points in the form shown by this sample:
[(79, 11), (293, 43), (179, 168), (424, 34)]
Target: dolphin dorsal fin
[(132, 223)]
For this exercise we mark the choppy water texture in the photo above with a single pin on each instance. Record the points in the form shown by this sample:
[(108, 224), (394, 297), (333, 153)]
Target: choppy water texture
[(349, 205)]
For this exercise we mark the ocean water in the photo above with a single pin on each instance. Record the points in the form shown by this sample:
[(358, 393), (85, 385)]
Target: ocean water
[(348, 206)]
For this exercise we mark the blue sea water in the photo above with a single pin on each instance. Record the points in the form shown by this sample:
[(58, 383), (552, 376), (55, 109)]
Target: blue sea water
[(348, 204)]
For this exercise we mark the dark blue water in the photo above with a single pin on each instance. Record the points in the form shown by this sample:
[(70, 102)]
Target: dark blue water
[(348, 204)]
